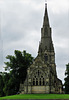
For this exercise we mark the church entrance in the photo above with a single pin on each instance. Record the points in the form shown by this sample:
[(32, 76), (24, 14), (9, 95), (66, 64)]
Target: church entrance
[(38, 89)]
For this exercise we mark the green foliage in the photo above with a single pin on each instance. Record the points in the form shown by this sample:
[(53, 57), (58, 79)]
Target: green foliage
[(1, 85), (8, 84), (66, 84), (17, 66)]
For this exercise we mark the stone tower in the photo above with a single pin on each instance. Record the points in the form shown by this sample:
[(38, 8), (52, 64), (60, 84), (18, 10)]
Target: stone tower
[(41, 75)]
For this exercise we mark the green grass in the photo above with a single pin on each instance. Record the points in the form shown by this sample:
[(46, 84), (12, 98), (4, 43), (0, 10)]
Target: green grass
[(37, 96)]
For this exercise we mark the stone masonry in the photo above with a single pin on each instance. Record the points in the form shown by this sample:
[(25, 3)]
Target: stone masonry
[(41, 75)]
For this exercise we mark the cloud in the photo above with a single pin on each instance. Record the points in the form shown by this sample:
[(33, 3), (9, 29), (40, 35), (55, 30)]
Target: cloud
[(58, 6)]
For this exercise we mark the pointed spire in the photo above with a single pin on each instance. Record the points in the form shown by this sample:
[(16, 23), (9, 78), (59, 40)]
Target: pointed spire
[(45, 3), (46, 20), (45, 6)]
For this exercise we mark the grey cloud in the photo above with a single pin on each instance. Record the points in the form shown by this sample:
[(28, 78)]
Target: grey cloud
[(19, 25), (1, 54)]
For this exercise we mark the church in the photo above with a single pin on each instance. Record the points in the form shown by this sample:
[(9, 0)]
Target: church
[(41, 75)]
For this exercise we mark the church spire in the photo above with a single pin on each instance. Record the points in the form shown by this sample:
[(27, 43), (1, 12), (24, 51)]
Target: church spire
[(46, 39), (46, 20), (45, 4)]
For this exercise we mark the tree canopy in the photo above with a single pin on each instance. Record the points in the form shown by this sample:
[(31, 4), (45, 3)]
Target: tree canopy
[(17, 70), (67, 79), (18, 64), (1, 84)]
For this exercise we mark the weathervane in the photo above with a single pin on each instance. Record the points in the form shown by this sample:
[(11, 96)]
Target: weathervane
[(45, 3)]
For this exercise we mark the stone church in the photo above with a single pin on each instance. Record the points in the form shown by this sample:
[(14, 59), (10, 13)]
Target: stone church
[(41, 75)]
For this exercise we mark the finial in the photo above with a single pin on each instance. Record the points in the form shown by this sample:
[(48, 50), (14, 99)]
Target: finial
[(45, 3)]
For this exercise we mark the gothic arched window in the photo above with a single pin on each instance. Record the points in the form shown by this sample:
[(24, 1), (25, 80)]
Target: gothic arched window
[(33, 81), (46, 57), (38, 78)]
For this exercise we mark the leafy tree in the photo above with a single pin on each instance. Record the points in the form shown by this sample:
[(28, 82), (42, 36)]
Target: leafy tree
[(8, 84), (17, 67), (1, 85), (66, 84)]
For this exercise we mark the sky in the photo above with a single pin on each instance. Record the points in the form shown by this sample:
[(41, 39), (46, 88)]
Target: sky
[(20, 29)]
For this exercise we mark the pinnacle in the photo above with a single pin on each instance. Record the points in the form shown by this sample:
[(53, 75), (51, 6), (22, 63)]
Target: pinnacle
[(45, 3)]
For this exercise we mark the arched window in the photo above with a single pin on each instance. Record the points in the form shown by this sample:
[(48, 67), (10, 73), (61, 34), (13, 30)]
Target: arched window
[(43, 82), (36, 81), (38, 78), (46, 57), (40, 82), (33, 81)]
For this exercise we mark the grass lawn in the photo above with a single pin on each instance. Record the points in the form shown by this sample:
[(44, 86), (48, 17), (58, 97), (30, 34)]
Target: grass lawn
[(37, 96)]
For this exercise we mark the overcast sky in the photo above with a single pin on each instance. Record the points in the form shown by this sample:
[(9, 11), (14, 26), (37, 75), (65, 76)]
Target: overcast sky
[(20, 29)]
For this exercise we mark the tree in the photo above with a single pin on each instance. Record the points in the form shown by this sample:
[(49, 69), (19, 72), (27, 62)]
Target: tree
[(9, 87), (1, 85), (17, 67), (66, 84)]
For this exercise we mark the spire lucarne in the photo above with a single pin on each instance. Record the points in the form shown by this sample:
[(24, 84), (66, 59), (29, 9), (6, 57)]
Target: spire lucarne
[(41, 75)]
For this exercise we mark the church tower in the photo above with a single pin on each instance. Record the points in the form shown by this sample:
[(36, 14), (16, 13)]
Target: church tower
[(41, 75), (46, 49)]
